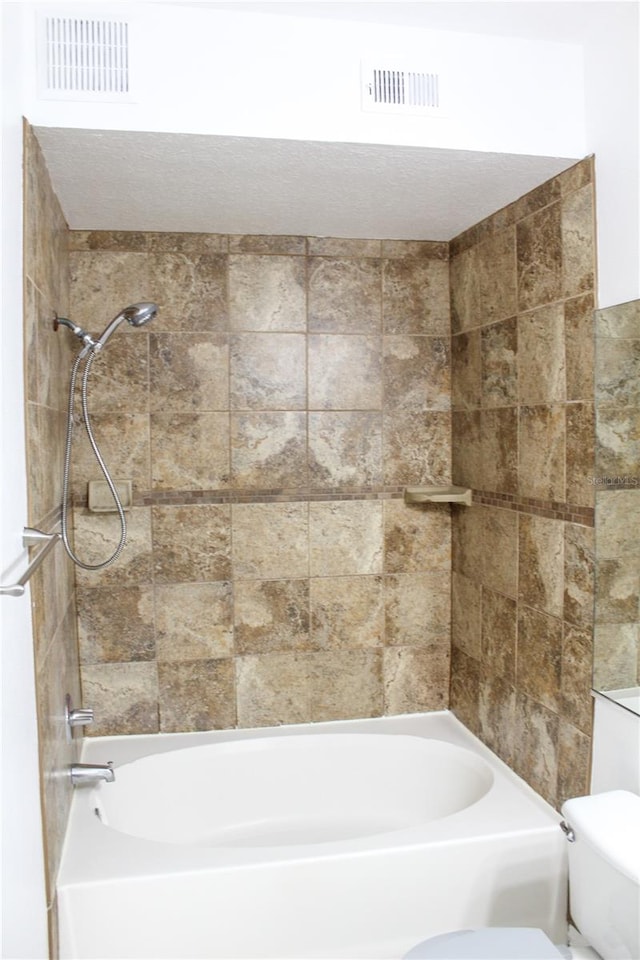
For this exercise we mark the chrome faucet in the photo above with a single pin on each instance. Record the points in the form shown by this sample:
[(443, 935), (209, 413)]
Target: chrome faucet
[(91, 773)]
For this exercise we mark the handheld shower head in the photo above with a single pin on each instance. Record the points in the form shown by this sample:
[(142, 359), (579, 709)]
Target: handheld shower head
[(137, 315)]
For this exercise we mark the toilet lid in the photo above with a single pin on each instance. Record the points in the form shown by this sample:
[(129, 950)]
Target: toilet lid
[(489, 943)]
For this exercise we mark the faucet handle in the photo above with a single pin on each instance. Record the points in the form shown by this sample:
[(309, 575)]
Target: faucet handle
[(78, 717)]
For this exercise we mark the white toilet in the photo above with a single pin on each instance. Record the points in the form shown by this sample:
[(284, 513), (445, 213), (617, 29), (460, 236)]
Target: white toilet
[(604, 891)]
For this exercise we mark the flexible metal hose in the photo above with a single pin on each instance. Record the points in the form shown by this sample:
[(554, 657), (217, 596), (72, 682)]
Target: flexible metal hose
[(67, 466)]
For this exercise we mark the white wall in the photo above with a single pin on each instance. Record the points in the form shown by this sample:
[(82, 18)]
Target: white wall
[(24, 932)]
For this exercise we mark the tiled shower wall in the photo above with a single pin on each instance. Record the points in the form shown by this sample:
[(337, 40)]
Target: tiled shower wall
[(47, 363), (523, 427), (269, 418), (617, 385)]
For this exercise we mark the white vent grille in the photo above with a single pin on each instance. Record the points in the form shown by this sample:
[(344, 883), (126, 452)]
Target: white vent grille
[(387, 90), (84, 59)]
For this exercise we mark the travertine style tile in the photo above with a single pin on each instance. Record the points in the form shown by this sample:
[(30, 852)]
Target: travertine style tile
[(618, 441), (188, 372), (536, 746), (578, 244), (579, 347), (119, 376), (417, 374), (499, 449), (345, 448), (269, 449), (193, 621), (579, 569), (539, 657), (499, 633), (265, 243), (416, 679), (347, 613), (468, 553), (115, 624), (466, 370), (268, 371), (271, 616), (497, 548), (344, 295), (618, 590), (416, 296), (345, 538), (616, 655), (273, 689), (267, 293), (124, 697), (497, 716), (345, 372), (499, 350), (496, 265), (617, 371), (345, 683), (96, 536), (191, 543), (621, 321), (541, 355), (617, 536), (465, 689), (196, 695), (190, 451), (580, 454), (416, 447), (418, 609), (416, 537), (539, 255), (541, 564), (466, 615), (574, 759), (270, 541), (575, 699), (124, 444), (466, 449), (104, 282), (465, 291), (541, 470)]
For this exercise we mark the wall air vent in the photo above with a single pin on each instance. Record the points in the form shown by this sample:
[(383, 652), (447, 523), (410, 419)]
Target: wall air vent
[(401, 90), (82, 58)]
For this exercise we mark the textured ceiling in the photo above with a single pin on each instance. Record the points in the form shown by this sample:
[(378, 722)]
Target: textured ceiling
[(180, 182)]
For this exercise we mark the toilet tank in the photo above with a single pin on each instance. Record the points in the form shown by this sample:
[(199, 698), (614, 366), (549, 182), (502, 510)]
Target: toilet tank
[(604, 871)]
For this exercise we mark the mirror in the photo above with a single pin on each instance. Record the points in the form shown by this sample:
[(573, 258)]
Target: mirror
[(616, 667)]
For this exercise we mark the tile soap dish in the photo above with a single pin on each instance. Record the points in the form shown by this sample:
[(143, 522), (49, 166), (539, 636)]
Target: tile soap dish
[(438, 495)]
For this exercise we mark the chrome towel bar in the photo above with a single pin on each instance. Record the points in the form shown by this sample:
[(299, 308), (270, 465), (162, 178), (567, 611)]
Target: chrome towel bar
[(31, 538)]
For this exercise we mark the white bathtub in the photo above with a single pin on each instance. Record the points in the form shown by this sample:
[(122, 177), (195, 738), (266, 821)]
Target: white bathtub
[(351, 839)]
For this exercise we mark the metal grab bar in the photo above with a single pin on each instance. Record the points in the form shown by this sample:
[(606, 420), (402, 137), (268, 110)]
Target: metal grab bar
[(31, 538)]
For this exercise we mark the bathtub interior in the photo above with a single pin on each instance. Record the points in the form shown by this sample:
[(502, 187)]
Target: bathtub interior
[(278, 791)]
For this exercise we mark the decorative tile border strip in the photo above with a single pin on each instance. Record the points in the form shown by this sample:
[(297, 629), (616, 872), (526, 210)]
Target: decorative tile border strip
[(553, 509)]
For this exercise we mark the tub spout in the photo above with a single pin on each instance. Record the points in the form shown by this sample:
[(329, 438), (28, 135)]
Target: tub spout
[(91, 773)]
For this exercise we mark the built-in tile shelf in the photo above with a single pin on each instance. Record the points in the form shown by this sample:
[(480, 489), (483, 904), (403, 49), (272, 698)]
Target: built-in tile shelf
[(438, 495)]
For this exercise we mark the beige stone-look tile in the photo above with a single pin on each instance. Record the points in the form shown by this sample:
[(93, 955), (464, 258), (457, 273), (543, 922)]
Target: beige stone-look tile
[(499, 353), (467, 555), (466, 370), (271, 616), (541, 355), (188, 372), (617, 372), (269, 449), (344, 295), (496, 265), (191, 543), (345, 448), (345, 684), (497, 716), (265, 243), (416, 296), (416, 679), (579, 573), (579, 346), (96, 537), (345, 538), (193, 621), (499, 634), (617, 589), (541, 468), (196, 695), (104, 282), (539, 656), (465, 689), (190, 451), (417, 373), (465, 291), (345, 372), (124, 697), (270, 541), (541, 563), (466, 449), (417, 538), (118, 381), (536, 746), (115, 624), (617, 451), (539, 257), (466, 615), (617, 513), (497, 547), (347, 613), (267, 293), (416, 448), (574, 760), (273, 689), (580, 454), (615, 655), (417, 609), (268, 371), (124, 444), (205, 307), (576, 670), (578, 241), (499, 450), (620, 321)]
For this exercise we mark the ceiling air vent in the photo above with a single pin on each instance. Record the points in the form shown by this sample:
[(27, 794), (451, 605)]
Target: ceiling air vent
[(389, 90), (84, 58)]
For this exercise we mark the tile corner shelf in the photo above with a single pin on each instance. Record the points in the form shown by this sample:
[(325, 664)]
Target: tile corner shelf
[(438, 495)]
